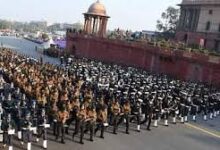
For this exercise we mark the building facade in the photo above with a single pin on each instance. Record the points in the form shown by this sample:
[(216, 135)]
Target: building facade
[(199, 23)]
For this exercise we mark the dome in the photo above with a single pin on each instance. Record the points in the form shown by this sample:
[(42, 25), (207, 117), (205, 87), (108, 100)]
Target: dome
[(98, 9)]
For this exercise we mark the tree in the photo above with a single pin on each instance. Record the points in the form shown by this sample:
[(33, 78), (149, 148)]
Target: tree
[(168, 23)]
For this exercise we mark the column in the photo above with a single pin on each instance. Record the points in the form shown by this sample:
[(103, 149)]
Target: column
[(94, 23), (105, 20), (101, 26), (90, 25), (184, 19), (180, 26), (86, 25)]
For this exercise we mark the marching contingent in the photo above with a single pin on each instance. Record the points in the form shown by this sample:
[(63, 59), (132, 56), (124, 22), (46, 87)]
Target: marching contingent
[(91, 97)]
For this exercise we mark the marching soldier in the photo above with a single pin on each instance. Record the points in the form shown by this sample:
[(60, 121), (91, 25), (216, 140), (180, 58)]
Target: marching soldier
[(156, 111), (173, 109), (101, 118), (194, 107), (8, 104), (62, 116), (204, 107), (1, 119), (148, 110), (116, 110), (91, 120), (80, 123), (27, 130), (74, 108), (42, 127), (8, 128), (165, 111), (136, 112), (126, 110)]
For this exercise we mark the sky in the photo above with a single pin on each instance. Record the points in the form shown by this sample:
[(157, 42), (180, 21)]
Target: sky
[(134, 15)]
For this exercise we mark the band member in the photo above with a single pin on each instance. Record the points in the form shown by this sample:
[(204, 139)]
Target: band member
[(102, 115), (126, 110), (62, 116), (80, 123), (91, 120), (115, 109)]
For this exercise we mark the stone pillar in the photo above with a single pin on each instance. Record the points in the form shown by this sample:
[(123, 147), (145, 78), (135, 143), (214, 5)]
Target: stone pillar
[(181, 22), (184, 19), (96, 25), (104, 27), (86, 24), (100, 30), (90, 25), (197, 18)]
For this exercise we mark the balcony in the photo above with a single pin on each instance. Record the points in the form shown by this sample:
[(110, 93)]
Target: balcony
[(200, 2)]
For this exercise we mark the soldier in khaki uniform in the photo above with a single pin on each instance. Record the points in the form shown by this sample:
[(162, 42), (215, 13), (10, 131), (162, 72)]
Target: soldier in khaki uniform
[(80, 123), (116, 110), (91, 120), (126, 110), (74, 107), (101, 118), (62, 116)]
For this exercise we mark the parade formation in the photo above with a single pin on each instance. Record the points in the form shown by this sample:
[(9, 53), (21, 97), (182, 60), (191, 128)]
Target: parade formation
[(92, 97)]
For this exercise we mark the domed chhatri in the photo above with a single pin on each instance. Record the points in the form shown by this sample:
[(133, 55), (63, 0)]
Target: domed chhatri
[(97, 8), (96, 20)]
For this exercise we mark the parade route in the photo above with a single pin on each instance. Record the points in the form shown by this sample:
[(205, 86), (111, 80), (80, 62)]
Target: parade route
[(174, 137)]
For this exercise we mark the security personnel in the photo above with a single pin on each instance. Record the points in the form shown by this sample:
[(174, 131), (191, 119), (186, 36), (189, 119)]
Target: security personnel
[(80, 123), (62, 116), (116, 110), (126, 110)]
